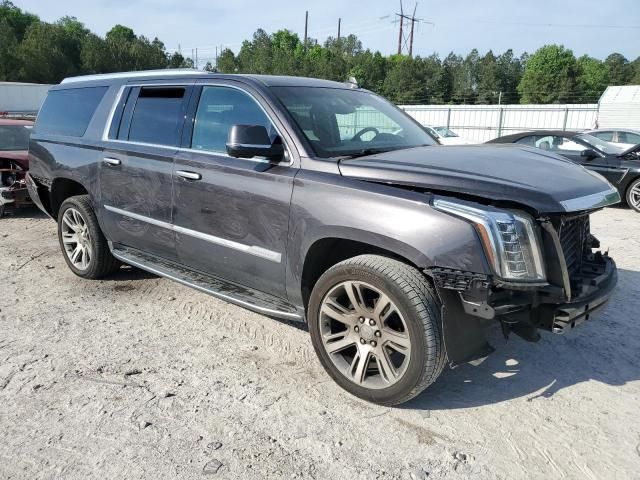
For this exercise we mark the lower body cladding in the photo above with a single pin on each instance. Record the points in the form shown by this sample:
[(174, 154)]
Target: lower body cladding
[(579, 282)]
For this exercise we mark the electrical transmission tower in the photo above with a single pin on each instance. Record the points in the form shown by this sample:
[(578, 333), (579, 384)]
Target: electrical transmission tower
[(405, 40)]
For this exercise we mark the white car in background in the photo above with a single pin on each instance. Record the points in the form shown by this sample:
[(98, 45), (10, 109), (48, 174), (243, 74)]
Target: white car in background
[(447, 137), (619, 137)]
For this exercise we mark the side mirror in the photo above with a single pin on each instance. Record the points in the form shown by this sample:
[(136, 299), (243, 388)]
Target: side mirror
[(248, 141), (588, 154)]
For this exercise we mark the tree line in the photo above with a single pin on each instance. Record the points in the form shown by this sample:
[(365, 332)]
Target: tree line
[(35, 51)]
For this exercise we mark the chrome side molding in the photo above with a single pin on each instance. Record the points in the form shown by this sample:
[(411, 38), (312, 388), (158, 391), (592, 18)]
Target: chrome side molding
[(249, 249)]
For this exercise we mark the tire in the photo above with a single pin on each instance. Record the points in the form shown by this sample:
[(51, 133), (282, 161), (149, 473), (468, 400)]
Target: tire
[(99, 261), (633, 195), (412, 317)]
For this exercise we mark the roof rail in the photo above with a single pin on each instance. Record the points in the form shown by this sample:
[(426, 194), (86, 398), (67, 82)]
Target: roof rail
[(138, 74)]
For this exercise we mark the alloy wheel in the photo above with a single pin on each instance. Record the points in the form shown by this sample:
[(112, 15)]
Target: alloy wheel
[(634, 196), (364, 334), (76, 239)]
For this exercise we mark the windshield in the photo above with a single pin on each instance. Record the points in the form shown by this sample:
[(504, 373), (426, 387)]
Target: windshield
[(340, 122), (445, 132), (14, 137), (601, 145)]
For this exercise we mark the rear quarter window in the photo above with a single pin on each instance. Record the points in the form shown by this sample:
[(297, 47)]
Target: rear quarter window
[(68, 112)]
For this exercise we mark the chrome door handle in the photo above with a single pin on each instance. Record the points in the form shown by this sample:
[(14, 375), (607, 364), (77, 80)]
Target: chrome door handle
[(188, 175), (111, 161)]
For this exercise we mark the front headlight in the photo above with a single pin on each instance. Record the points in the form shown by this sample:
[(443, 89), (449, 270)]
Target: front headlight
[(509, 239)]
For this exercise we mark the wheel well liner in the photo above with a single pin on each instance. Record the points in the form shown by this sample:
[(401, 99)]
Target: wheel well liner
[(61, 189)]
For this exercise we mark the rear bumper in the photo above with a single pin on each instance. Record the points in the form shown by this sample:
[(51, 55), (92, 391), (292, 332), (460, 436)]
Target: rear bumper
[(595, 294)]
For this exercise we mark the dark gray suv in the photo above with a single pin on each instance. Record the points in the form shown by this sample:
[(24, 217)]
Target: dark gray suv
[(320, 202)]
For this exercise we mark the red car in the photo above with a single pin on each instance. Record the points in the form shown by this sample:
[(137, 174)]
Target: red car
[(14, 162)]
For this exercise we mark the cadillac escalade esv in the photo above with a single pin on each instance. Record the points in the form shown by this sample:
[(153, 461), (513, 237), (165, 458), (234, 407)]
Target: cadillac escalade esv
[(321, 202)]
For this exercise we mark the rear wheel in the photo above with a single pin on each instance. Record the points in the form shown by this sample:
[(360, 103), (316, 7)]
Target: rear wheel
[(84, 246), (633, 195), (375, 325)]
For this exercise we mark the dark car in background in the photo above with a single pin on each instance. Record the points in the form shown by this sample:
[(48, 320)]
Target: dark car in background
[(277, 194), (619, 165), (14, 163)]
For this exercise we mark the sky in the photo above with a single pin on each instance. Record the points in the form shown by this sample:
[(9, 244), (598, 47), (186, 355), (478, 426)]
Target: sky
[(593, 27)]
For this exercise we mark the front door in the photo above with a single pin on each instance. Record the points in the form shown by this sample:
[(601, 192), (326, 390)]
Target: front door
[(231, 215), (136, 172)]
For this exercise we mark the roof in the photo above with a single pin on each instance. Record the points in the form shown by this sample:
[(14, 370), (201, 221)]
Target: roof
[(623, 94), (165, 74), (517, 136)]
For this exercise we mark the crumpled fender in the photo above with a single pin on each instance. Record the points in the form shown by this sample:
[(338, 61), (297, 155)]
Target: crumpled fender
[(464, 335)]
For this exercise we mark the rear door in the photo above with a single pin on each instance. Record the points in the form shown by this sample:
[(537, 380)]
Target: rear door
[(232, 214), (136, 170)]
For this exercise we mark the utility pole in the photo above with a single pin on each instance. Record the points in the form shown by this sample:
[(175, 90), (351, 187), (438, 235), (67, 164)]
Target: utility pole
[(413, 21), (306, 23), (196, 58), (404, 43), (401, 15), (339, 20)]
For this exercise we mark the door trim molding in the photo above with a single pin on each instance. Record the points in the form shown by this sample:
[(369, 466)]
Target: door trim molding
[(249, 249)]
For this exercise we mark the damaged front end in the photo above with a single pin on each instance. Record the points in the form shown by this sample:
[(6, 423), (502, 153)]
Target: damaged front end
[(13, 187), (564, 280)]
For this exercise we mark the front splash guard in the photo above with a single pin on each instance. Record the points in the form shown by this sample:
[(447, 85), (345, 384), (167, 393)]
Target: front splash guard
[(464, 335)]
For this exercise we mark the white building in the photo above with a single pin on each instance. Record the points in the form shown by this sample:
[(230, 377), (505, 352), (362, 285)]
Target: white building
[(16, 97), (619, 107)]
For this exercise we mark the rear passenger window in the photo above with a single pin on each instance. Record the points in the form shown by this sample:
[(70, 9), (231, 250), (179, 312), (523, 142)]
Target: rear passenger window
[(157, 116), (220, 108), (69, 111)]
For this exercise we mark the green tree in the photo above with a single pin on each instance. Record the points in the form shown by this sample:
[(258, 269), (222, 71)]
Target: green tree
[(620, 71), (550, 76), (635, 65), (404, 82), (18, 20), (227, 62), (9, 63), (510, 71), (44, 54), (593, 79), (488, 79)]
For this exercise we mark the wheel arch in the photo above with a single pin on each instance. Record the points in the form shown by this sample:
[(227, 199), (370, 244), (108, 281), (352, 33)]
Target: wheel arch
[(61, 189), (327, 251)]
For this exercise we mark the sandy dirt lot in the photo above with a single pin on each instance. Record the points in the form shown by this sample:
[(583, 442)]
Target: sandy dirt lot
[(138, 377)]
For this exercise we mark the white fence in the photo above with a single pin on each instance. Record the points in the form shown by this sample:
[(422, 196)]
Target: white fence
[(485, 122)]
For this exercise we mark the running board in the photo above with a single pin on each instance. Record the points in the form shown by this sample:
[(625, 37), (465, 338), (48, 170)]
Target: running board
[(250, 299)]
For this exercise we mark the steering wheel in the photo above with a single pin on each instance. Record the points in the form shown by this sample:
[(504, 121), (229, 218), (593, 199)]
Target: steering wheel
[(363, 131)]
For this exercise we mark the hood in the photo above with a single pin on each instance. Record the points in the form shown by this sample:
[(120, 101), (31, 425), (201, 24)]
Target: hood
[(454, 141), (545, 182), (21, 157)]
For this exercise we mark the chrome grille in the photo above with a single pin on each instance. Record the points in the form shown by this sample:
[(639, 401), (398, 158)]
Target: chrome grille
[(573, 235)]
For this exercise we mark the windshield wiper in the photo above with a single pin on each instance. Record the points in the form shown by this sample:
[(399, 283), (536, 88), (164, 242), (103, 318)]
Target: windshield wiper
[(368, 151)]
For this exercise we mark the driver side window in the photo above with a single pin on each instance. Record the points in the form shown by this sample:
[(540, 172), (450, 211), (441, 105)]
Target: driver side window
[(218, 110)]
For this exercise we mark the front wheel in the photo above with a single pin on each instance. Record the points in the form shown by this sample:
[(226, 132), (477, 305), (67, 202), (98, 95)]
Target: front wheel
[(375, 325), (633, 195), (84, 246)]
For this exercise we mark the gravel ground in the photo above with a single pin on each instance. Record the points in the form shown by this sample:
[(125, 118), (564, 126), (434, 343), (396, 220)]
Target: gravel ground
[(138, 377)]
